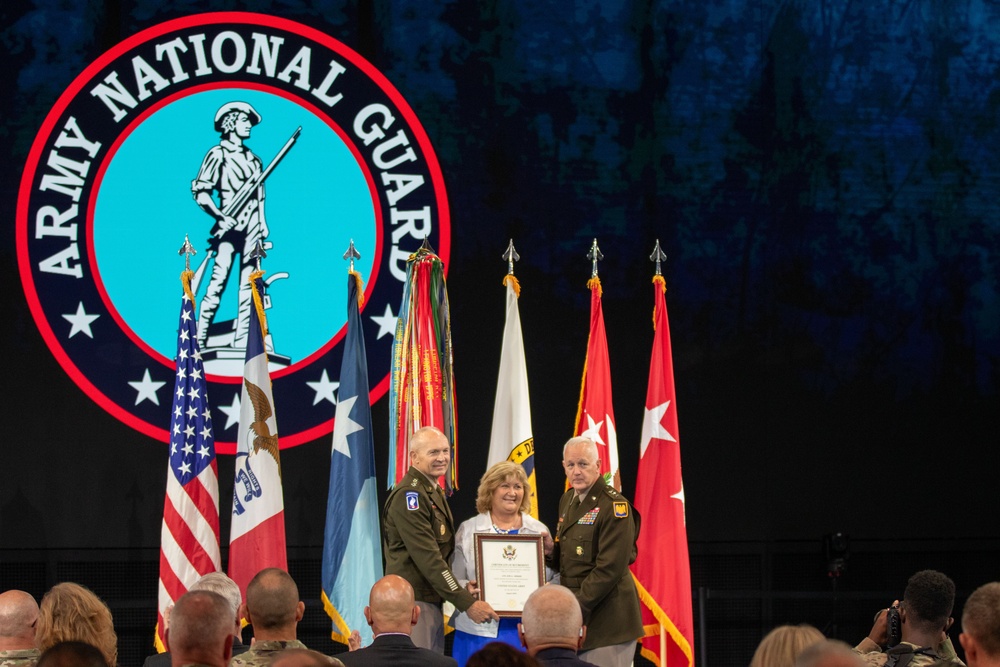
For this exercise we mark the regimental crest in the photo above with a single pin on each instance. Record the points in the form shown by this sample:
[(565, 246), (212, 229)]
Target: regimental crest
[(182, 129), (509, 552)]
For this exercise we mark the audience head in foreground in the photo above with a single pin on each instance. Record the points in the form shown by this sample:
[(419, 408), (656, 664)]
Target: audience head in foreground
[(392, 613), (70, 612), (201, 630), (829, 653), (18, 617), (273, 607), (981, 626), (72, 654), (391, 606), (782, 646), (552, 619), (498, 654)]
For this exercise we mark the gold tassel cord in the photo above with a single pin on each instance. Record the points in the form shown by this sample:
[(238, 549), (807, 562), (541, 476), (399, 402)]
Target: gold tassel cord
[(361, 287), (186, 277), (595, 282), (658, 280), (258, 304), (512, 281)]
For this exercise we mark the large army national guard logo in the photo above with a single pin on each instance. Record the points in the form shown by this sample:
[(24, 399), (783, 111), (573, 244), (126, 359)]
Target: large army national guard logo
[(234, 129)]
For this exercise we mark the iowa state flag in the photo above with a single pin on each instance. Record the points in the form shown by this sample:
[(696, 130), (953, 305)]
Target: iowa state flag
[(257, 535), (189, 537), (352, 546), (511, 437), (595, 417), (662, 569)]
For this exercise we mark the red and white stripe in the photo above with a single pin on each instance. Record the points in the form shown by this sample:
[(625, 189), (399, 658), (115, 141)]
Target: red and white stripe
[(189, 538)]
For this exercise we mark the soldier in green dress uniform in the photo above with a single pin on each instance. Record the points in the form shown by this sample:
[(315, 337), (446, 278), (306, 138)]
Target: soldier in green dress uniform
[(595, 544)]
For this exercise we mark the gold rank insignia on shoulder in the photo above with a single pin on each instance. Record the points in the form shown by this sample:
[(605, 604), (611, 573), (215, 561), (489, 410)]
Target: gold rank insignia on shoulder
[(413, 482), (621, 510)]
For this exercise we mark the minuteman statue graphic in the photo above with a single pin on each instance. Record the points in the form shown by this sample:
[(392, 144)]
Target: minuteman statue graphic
[(234, 174)]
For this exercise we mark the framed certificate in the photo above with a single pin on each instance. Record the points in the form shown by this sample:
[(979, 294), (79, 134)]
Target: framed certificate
[(508, 568)]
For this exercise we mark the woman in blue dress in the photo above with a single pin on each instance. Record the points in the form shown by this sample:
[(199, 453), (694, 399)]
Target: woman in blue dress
[(503, 501)]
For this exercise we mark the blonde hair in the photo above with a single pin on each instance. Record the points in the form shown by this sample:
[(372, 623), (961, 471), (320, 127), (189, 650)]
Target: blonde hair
[(781, 646), (71, 612), (494, 477)]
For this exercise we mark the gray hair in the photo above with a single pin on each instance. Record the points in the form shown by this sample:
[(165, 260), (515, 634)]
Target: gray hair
[(219, 583), (582, 440)]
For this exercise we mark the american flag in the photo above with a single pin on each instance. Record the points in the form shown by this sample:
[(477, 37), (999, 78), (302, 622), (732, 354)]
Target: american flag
[(189, 539)]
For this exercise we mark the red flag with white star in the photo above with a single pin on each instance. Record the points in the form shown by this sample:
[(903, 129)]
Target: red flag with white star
[(662, 569), (595, 417)]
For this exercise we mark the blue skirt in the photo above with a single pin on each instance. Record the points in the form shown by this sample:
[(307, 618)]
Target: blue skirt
[(465, 644)]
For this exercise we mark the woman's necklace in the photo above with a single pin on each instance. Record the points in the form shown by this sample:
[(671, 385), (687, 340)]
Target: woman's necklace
[(505, 531)]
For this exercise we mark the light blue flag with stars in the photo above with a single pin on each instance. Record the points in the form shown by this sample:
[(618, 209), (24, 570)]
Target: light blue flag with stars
[(352, 547)]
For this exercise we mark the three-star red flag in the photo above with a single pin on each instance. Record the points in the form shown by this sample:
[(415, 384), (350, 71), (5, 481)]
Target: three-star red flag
[(662, 569), (595, 417)]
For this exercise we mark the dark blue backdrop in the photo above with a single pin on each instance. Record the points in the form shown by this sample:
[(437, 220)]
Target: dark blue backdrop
[(821, 175)]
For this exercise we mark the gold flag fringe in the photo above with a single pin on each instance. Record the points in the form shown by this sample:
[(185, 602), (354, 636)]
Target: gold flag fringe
[(664, 620)]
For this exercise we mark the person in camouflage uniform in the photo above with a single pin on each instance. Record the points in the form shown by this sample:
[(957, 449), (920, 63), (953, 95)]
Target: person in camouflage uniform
[(274, 610), (18, 614), (925, 617)]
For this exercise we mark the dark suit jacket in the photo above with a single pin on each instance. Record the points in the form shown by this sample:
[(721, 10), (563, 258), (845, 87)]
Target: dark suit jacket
[(163, 659), (394, 651), (560, 657)]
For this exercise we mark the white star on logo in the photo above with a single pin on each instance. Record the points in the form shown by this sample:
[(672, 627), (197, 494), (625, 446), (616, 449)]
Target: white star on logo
[(343, 426), (81, 322), (593, 430), (146, 389), (232, 412), (324, 389), (386, 323), (652, 427)]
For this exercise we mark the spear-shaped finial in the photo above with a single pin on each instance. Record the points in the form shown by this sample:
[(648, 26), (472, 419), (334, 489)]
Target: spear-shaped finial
[(187, 250), (594, 256), (352, 254), (511, 256), (257, 254), (425, 247), (658, 256)]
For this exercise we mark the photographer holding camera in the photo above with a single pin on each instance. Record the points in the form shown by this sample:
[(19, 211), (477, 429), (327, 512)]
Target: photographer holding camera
[(922, 619)]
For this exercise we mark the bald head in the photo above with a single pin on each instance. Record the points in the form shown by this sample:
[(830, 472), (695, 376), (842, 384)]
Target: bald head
[(273, 606), (391, 606), (201, 629), (551, 618), (18, 614)]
